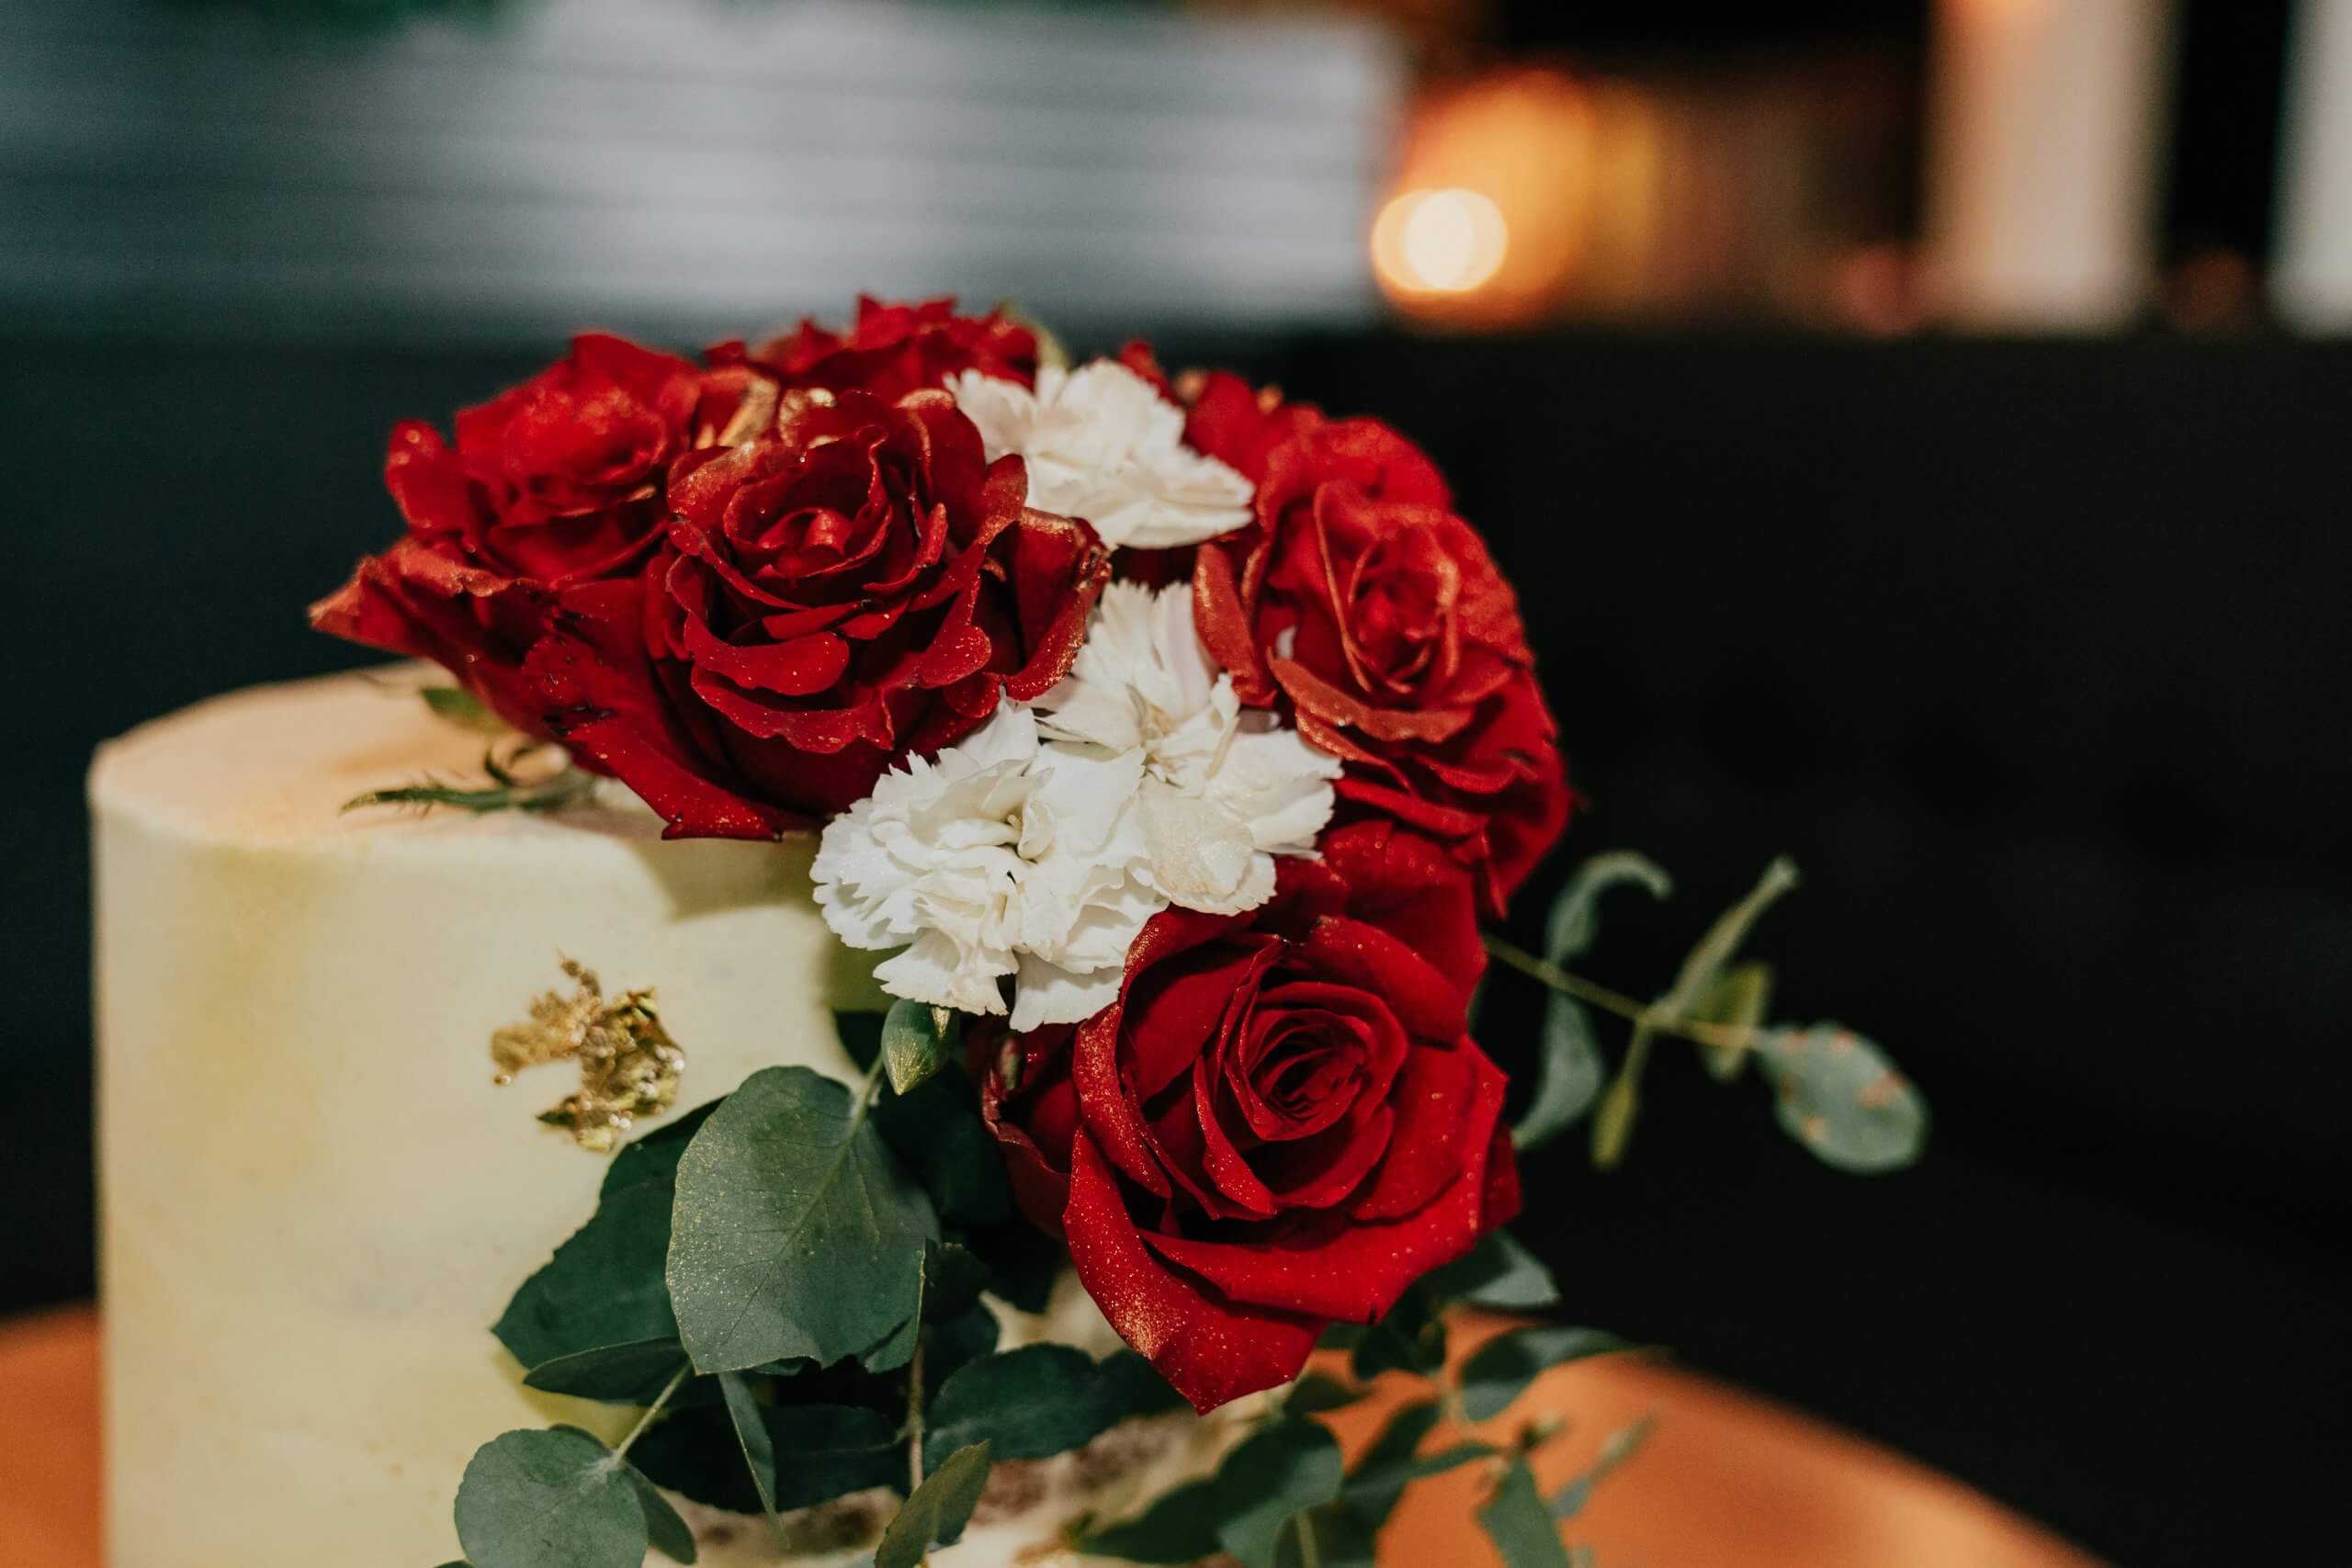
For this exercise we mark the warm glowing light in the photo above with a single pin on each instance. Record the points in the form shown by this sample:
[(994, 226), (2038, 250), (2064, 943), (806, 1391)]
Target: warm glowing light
[(1439, 242)]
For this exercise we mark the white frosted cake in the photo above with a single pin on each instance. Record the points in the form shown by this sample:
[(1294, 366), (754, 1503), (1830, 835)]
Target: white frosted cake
[(316, 1199)]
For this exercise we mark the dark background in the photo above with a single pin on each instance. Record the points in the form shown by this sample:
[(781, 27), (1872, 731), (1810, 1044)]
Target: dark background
[(2032, 655)]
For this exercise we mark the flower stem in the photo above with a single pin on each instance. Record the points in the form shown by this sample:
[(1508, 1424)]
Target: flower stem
[(653, 1413), (1728, 1037)]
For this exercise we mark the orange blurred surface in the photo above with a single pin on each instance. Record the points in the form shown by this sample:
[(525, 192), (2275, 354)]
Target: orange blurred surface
[(1724, 1479)]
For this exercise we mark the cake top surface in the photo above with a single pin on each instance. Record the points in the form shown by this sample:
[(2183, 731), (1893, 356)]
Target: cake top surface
[(278, 763)]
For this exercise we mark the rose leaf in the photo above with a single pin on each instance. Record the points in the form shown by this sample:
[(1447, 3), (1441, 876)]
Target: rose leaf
[(1038, 1401), (1180, 1527), (1270, 1475), (1499, 1273)]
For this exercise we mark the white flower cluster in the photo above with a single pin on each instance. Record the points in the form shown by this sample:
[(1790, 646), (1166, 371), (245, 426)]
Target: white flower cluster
[(1102, 443), (1038, 847)]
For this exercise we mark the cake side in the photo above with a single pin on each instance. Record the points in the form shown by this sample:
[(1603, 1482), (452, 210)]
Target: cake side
[(317, 1201)]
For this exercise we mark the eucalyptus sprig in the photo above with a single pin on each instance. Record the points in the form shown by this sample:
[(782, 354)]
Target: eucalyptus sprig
[(512, 765), (1834, 1091)]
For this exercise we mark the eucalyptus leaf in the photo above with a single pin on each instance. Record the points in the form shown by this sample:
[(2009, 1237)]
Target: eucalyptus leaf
[(550, 1499), (1377, 1480), (796, 1231), (1616, 1449), (634, 1373), (1499, 1273), (1409, 1338), (751, 1435), (1039, 1401), (1574, 918), (1270, 1475), (917, 1039), (1178, 1526), (935, 1130), (1517, 1521), (1330, 1536), (1837, 1094), (668, 1533), (1318, 1393), (824, 1451), (937, 1511), (1613, 1128), (1570, 1070), (1740, 999), (1500, 1369)]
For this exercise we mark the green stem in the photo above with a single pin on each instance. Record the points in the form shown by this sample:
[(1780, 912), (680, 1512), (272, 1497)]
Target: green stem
[(1724, 1036), (914, 1418), (653, 1413)]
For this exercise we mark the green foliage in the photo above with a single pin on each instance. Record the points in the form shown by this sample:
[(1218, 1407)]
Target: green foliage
[(1269, 1477), (753, 1437), (796, 1233), (1178, 1526), (1409, 1338), (1571, 1071), (1039, 1401), (1837, 1095), (917, 1041), (1318, 1393), (633, 1373), (552, 1499), (1740, 1000), (1377, 1482), (1516, 1519), (457, 705), (605, 1288), (824, 1451), (1616, 1449), (1504, 1366), (937, 1511), (1329, 1536), (935, 1130), (667, 1533), (1497, 1273)]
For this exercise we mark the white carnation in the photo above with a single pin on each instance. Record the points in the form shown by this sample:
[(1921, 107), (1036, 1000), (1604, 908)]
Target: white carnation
[(1102, 443), (1039, 847)]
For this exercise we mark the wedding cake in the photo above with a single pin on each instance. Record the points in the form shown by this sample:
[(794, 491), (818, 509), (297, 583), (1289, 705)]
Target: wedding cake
[(928, 920)]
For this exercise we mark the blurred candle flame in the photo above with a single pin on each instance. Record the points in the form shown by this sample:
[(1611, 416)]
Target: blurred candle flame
[(1439, 242)]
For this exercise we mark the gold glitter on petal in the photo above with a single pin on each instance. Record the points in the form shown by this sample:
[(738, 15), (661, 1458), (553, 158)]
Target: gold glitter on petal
[(628, 1064)]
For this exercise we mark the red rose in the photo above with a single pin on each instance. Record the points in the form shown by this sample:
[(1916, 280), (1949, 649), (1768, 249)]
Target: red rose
[(1279, 1124), (1363, 602), (895, 349), (557, 481), (856, 582)]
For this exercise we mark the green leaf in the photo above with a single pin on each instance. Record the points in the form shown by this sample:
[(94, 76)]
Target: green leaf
[(1739, 998), (1574, 918), (1376, 1483), (552, 1499), (796, 1231), (1616, 1449), (1269, 1477), (952, 1281), (1571, 1071), (824, 1451), (1497, 1273), (1503, 1367), (938, 1510), (751, 1435), (1330, 1536), (1518, 1524), (668, 1532), (1039, 1401), (936, 1131), (1180, 1527), (1839, 1095), (917, 1039), (1411, 1339), (634, 1373), (1613, 1128), (462, 708), (1318, 1393)]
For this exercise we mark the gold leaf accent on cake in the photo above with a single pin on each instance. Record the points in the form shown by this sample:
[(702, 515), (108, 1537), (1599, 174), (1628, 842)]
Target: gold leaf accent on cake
[(628, 1064)]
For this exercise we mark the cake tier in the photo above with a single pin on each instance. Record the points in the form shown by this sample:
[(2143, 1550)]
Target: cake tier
[(316, 1198)]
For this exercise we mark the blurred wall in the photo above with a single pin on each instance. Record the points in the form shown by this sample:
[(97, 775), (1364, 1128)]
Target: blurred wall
[(693, 168)]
